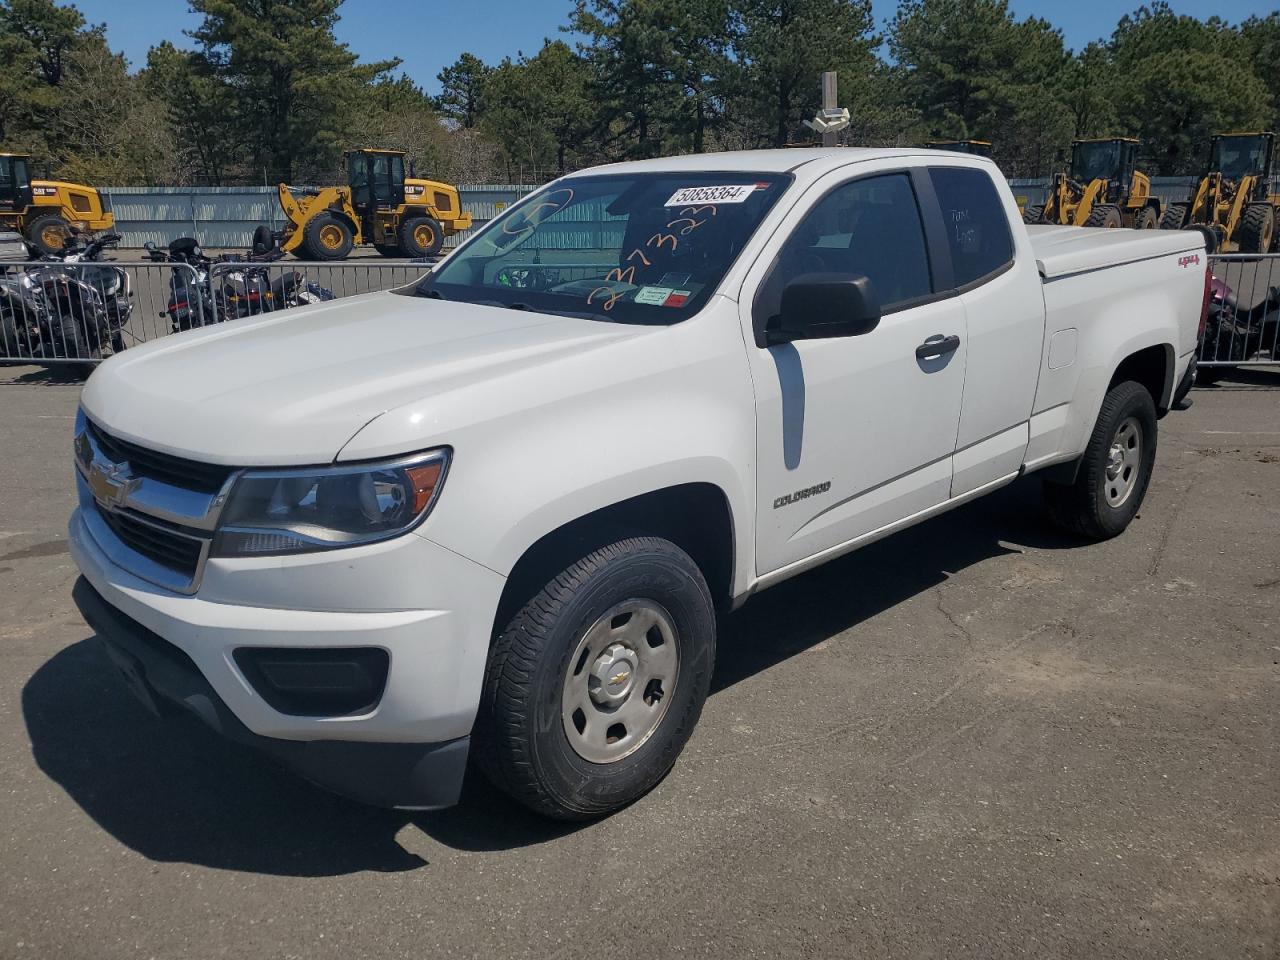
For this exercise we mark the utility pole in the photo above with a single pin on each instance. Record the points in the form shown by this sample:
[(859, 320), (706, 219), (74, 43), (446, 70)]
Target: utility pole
[(829, 103)]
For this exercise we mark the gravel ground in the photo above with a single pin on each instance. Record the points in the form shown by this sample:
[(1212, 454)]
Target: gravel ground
[(975, 739)]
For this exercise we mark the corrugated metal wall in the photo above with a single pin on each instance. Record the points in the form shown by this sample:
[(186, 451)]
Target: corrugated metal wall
[(227, 216)]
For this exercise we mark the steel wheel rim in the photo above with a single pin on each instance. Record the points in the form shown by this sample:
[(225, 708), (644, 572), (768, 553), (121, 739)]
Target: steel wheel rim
[(1124, 462), (331, 237), (619, 681), (53, 237), (424, 235)]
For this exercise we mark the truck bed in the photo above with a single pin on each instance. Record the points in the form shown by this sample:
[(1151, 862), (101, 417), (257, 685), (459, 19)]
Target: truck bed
[(1062, 251)]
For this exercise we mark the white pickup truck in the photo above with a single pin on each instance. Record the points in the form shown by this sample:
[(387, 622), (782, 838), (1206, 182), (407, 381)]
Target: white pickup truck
[(495, 513)]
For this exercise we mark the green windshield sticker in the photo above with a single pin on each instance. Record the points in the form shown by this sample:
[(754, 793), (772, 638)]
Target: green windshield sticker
[(654, 296)]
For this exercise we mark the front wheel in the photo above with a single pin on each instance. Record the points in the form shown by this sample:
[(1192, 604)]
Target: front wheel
[(1115, 470), (1105, 215), (1146, 219), (594, 687), (1257, 228)]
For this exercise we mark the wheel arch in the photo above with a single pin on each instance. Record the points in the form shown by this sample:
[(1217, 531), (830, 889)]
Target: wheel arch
[(695, 516), (1152, 367)]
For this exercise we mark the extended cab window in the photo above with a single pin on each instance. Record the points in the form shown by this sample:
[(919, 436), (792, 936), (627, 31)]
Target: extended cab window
[(977, 227), (869, 226)]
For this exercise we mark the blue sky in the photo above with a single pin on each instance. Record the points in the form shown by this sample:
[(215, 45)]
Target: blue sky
[(429, 34)]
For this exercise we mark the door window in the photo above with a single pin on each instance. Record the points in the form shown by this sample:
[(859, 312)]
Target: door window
[(869, 226), (977, 225)]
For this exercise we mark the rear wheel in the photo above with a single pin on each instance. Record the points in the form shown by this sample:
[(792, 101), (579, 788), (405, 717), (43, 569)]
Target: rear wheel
[(326, 237), (1257, 228), (1033, 213), (594, 687), (1175, 217), (421, 236), (1104, 215), (1145, 219), (1115, 470), (48, 233)]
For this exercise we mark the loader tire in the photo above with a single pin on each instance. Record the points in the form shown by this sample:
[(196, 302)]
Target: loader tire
[(1145, 219), (421, 236), (1106, 215), (326, 237), (1033, 213), (48, 233), (1257, 228), (1175, 217)]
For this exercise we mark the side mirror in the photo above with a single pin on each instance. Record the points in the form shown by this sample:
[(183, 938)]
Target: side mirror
[(818, 306)]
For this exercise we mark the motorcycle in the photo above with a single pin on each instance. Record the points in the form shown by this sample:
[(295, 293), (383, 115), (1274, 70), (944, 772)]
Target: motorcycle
[(1233, 333), (241, 292), (87, 306)]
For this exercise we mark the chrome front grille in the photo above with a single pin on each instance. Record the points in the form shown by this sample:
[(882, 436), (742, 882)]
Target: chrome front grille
[(154, 514), (180, 552), (188, 474)]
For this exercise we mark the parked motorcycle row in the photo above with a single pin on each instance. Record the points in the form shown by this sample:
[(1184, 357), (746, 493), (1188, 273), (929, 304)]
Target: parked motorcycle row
[(73, 308)]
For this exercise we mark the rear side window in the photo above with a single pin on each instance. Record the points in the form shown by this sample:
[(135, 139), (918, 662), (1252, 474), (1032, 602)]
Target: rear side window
[(870, 226), (977, 227)]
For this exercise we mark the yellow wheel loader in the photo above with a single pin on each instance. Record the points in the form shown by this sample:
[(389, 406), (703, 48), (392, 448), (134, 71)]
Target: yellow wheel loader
[(979, 148), (1236, 200), (46, 212), (1102, 188), (398, 215)]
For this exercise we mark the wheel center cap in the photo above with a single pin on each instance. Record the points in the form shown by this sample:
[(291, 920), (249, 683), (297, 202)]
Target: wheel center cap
[(612, 675), (1115, 460)]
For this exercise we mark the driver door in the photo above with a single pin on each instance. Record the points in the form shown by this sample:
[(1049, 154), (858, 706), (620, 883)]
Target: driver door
[(854, 433)]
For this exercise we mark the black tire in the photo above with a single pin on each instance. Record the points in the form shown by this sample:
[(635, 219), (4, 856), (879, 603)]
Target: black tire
[(1175, 216), (41, 233), (327, 237), (421, 236), (1033, 213), (387, 250), (1105, 215), (521, 741), (1146, 219), (1257, 228), (263, 240), (1082, 507)]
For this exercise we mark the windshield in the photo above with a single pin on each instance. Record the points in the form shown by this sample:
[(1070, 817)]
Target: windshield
[(1238, 157), (1095, 161), (637, 248)]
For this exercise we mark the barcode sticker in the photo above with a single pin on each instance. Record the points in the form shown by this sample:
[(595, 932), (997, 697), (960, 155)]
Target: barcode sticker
[(728, 193)]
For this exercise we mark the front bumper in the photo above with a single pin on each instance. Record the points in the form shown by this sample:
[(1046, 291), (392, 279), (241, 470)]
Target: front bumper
[(429, 609), (404, 775)]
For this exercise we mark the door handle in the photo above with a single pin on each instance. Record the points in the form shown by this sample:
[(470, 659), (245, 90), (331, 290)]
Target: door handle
[(937, 346)]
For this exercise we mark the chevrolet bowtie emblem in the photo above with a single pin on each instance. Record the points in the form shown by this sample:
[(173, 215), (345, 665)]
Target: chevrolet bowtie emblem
[(111, 483), (617, 678)]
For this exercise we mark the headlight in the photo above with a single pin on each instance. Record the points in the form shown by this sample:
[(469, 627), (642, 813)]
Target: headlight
[(322, 508)]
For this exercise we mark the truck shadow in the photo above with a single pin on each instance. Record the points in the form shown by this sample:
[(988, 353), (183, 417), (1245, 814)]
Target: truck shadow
[(174, 792)]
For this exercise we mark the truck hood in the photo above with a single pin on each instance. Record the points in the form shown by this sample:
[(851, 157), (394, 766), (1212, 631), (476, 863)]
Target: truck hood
[(293, 387)]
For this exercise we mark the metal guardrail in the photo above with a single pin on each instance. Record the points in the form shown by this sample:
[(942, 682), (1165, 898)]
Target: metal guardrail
[(54, 313), (1243, 326)]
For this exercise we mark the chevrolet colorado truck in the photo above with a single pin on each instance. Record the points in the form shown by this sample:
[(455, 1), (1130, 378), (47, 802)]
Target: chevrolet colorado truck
[(494, 514)]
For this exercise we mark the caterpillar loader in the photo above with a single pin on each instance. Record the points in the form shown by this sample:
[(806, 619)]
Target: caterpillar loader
[(46, 212), (1236, 200), (980, 148), (1101, 188), (399, 215)]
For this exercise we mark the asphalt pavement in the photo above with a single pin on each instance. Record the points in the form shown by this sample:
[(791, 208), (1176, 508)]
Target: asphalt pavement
[(978, 738)]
